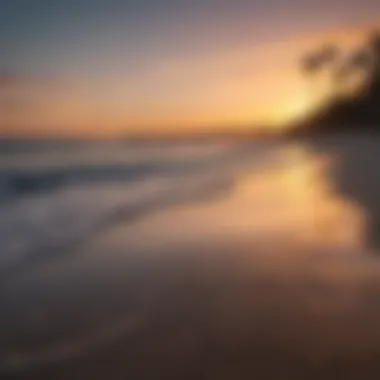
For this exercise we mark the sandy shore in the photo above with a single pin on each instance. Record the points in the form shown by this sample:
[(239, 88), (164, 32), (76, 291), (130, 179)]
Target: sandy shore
[(273, 280)]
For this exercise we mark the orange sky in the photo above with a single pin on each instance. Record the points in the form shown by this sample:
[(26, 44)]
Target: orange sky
[(241, 85)]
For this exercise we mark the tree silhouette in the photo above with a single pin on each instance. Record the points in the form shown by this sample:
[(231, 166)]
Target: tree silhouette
[(354, 85), (314, 62)]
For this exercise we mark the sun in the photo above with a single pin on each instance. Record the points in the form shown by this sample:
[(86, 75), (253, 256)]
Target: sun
[(290, 111)]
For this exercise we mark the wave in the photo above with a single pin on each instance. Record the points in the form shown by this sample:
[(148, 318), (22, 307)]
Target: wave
[(45, 225), (48, 225), (20, 182), (62, 208), (25, 174)]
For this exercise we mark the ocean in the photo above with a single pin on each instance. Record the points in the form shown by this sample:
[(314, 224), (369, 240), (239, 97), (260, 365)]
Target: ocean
[(54, 194), (190, 259)]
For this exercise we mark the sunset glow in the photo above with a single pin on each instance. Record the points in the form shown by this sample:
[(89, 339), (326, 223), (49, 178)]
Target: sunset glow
[(178, 68)]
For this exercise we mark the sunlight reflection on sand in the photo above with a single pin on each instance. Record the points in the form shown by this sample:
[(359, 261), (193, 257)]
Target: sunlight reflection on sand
[(275, 271), (291, 202)]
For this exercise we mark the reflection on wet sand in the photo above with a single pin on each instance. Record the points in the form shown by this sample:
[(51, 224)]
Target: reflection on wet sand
[(355, 176), (272, 282), (291, 201)]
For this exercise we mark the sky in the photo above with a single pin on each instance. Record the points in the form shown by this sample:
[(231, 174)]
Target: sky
[(109, 67)]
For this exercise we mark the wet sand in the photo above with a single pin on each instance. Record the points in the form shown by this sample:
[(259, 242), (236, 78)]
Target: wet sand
[(275, 280), (219, 313)]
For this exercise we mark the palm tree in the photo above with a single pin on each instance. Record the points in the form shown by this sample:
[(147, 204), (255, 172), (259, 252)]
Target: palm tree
[(353, 81), (315, 63), (329, 54), (312, 63), (374, 47), (356, 68), (325, 56), (374, 41)]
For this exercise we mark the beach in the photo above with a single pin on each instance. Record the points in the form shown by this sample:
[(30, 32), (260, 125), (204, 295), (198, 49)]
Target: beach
[(203, 261)]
